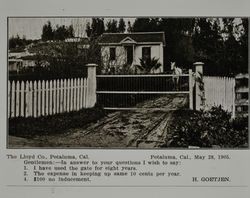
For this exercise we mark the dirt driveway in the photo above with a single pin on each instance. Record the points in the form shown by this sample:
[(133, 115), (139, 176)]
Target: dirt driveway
[(146, 127)]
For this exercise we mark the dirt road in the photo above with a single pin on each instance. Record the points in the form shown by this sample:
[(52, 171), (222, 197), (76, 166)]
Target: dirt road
[(145, 127)]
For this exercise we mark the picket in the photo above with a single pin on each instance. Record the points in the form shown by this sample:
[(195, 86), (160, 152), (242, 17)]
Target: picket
[(58, 90), (31, 99), (60, 101), (50, 92), (38, 98), (43, 98), (74, 95), (35, 100), (71, 94), (64, 95), (81, 93), (46, 98), (78, 94), (27, 99), (53, 97), (86, 93), (22, 105), (12, 99), (68, 96), (17, 98)]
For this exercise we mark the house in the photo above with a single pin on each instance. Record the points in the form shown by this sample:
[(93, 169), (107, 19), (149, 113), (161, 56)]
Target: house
[(15, 65), (126, 50), (20, 60)]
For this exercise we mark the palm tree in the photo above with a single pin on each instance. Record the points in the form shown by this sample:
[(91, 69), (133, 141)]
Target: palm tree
[(149, 64)]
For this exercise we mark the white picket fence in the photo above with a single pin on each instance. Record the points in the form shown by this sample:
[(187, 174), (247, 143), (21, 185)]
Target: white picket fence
[(41, 98), (220, 91)]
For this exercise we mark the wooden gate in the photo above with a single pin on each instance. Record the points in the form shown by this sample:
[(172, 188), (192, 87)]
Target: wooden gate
[(125, 91)]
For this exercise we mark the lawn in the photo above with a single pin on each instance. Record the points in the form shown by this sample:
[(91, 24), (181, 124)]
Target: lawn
[(55, 124)]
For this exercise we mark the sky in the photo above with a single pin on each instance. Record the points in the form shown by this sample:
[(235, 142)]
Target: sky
[(31, 28)]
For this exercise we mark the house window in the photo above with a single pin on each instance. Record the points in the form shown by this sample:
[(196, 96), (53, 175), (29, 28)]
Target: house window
[(112, 53), (146, 53), (130, 55)]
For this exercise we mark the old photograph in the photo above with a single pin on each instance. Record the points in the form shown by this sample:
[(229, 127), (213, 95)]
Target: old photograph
[(128, 82)]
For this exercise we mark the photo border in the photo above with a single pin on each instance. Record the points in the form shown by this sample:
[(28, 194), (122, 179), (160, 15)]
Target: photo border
[(111, 148)]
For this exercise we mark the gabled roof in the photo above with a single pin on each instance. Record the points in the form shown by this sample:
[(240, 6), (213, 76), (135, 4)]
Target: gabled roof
[(128, 40), (138, 37)]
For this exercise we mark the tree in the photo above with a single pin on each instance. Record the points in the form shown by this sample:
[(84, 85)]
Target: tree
[(88, 30), (17, 44), (62, 59), (243, 40), (108, 26), (100, 27), (129, 29), (179, 44), (122, 25), (208, 44), (218, 43), (142, 25), (147, 25), (231, 47), (59, 33), (97, 27), (149, 64), (62, 32), (112, 26), (47, 32), (236, 50), (70, 31)]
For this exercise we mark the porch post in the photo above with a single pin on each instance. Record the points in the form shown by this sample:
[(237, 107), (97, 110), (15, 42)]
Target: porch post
[(91, 85), (199, 92), (133, 54)]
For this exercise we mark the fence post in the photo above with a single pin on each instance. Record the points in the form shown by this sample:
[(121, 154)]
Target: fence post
[(190, 89), (199, 93), (91, 88)]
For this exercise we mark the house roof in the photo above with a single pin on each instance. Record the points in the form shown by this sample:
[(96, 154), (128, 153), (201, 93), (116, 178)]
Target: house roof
[(83, 40), (137, 37), (239, 76), (15, 60)]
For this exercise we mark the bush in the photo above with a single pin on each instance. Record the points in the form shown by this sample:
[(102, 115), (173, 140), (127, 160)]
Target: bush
[(207, 129)]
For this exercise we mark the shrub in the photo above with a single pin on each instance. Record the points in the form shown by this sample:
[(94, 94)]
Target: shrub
[(149, 64), (207, 129)]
